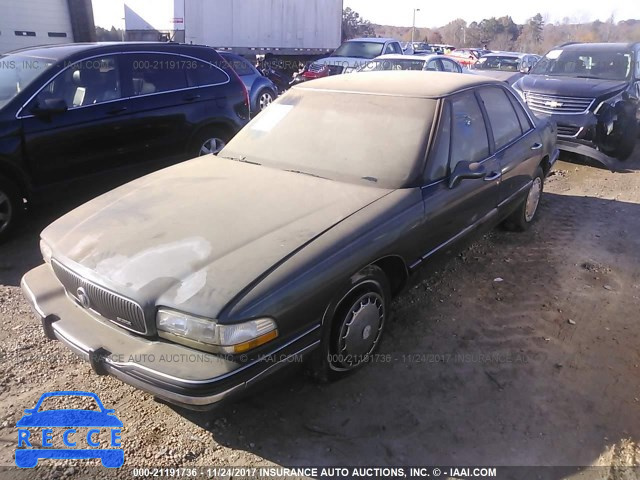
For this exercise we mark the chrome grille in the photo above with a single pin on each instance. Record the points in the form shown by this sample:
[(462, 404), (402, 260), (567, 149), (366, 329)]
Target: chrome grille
[(112, 306), (556, 104), (568, 130)]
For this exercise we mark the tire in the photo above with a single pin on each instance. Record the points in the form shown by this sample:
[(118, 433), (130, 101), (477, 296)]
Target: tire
[(628, 143), (355, 329), (265, 98), (209, 141), (526, 213), (11, 207)]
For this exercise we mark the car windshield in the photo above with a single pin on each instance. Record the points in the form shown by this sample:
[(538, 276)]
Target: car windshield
[(606, 64), (17, 72), (374, 140), (392, 64), (503, 63), (359, 50)]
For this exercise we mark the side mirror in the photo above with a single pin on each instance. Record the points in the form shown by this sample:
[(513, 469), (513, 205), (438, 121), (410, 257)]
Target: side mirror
[(50, 106), (466, 170)]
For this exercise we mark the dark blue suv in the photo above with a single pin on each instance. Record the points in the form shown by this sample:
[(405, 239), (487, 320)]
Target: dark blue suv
[(71, 112)]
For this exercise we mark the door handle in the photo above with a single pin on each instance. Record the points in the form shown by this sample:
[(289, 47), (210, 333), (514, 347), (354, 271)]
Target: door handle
[(492, 176), (191, 98), (536, 146), (115, 111)]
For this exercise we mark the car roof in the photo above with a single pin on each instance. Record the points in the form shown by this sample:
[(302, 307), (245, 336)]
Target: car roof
[(398, 56), (61, 51), (506, 54), (597, 46), (373, 40), (418, 84)]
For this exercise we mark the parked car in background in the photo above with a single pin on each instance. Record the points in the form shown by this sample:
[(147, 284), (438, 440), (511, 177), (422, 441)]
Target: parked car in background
[(591, 91), (505, 66), (351, 55), (433, 62), (401, 166), (79, 110), (442, 48), (262, 91), (468, 56)]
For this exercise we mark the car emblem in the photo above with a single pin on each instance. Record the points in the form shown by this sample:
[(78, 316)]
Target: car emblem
[(553, 104), (83, 298)]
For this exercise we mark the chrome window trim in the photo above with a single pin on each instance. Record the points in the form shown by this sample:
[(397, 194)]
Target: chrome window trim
[(136, 52)]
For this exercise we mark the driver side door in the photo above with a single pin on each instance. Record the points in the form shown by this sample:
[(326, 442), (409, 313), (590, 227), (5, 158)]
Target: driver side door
[(84, 139), (452, 213)]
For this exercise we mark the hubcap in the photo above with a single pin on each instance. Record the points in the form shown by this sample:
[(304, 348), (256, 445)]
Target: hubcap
[(212, 146), (6, 211), (360, 330), (265, 100), (533, 200)]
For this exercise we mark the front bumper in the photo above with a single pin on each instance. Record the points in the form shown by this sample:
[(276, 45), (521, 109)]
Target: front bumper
[(172, 372), (577, 133)]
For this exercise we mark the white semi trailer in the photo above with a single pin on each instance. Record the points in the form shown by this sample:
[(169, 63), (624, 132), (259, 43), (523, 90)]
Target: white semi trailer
[(283, 28)]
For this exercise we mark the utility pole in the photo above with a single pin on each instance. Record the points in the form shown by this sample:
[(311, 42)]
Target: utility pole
[(413, 30)]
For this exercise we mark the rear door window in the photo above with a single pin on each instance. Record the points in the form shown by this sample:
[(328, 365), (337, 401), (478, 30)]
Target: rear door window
[(201, 74), (504, 121), (434, 66), (449, 66), (525, 122), (241, 66), (157, 73)]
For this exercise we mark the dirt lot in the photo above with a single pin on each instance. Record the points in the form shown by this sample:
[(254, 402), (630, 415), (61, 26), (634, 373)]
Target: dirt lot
[(521, 350)]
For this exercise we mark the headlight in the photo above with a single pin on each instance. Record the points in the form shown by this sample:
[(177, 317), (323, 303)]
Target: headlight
[(238, 338), (46, 251), (612, 100)]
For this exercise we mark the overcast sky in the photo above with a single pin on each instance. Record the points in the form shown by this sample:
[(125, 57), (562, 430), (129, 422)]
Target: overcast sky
[(437, 13)]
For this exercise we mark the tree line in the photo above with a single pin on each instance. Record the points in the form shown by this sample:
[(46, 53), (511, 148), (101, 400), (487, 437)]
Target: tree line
[(536, 35)]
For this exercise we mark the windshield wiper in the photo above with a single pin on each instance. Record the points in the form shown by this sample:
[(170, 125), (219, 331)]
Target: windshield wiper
[(306, 173), (241, 159)]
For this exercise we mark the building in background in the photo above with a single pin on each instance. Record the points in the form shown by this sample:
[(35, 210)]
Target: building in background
[(162, 20), (28, 23)]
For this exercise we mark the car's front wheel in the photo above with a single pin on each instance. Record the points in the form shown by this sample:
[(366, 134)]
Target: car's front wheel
[(356, 327), (527, 211), (11, 207), (265, 98)]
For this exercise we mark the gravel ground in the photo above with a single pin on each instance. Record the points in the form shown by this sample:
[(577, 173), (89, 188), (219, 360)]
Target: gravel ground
[(522, 349)]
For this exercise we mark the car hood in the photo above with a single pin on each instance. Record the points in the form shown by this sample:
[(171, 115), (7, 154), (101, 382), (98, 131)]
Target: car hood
[(193, 236), (570, 87), (509, 77), (350, 62)]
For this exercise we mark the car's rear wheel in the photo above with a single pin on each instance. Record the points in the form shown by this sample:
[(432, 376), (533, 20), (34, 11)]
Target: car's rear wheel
[(11, 207), (527, 211), (265, 99), (209, 142), (356, 327)]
